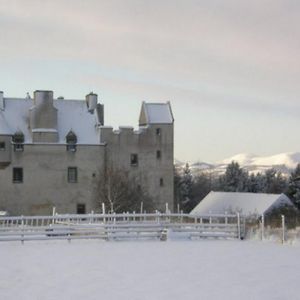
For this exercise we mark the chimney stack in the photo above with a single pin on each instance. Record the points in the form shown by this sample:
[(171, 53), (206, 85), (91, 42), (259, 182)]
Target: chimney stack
[(91, 102)]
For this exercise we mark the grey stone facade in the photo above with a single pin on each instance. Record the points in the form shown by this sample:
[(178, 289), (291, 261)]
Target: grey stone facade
[(54, 152)]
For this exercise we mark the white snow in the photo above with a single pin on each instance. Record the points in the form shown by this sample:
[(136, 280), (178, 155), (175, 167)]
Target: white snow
[(158, 113), (71, 115), (289, 159), (203, 269), (245, 203)]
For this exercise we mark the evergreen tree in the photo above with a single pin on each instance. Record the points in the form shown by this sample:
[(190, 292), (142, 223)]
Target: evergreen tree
[(202, 185), (186, 185), (234, 180), (275, 183), (253, 184), (294, 186)]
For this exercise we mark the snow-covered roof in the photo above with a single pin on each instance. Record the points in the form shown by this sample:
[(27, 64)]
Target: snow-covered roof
[(156, 113), (72, 115), (244, 203)]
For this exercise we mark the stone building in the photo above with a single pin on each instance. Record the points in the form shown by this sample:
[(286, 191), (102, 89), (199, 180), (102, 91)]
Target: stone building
[(55, 152)]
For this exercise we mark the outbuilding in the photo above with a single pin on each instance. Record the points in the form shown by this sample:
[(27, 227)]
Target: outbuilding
[(247, 204)]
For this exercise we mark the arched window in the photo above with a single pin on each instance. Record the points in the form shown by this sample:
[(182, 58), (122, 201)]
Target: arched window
[(71, 140), (18, 141)]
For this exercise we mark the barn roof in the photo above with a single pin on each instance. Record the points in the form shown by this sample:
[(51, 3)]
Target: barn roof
[(244, 203)]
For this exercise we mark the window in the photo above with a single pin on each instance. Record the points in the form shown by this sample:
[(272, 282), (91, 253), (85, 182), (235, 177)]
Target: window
[(134, 159), (17, 175), (72, 174), (18, 140), (158, 131), (2, 146), (158, 154), (161, 182), (81, 208), (71, 140)]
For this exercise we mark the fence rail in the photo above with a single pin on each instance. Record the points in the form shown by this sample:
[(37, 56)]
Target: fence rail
[(120, 226)]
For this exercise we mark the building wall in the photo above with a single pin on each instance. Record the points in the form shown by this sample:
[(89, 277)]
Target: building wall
[(5, 154), (45, 161), (154, 174), (45, 179)]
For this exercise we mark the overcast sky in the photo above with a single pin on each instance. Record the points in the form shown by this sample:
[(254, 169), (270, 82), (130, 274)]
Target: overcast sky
[(231, 69)]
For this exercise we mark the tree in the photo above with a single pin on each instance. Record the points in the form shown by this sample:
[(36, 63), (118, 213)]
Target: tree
[(120, 193), (185, 189), (202, 185), (234, 179), (294, 186), (275, 183)]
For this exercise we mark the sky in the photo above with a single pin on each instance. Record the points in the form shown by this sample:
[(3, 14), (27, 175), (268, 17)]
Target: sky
[(231, 68)]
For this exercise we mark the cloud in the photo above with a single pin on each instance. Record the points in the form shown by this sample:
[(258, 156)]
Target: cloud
[(240, 55)]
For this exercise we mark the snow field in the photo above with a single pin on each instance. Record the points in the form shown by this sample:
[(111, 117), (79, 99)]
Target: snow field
[(205, 269)]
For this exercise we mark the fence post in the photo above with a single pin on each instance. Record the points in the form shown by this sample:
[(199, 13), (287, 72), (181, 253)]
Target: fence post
[(103, 211), (22, 229), (157, 218), (283, 229), (142, 204), (239, 225), (226, 218), (262, 227)]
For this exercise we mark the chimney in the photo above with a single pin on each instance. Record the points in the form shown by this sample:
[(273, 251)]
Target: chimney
[(91, 102), (43, 98), (2, 106)]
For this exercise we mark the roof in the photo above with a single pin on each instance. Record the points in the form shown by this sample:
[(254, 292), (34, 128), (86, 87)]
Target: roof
[(244, 203), (156, 113), (72, 115)]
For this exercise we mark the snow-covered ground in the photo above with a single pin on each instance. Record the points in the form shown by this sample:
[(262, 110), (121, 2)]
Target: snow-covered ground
[(149, 270)]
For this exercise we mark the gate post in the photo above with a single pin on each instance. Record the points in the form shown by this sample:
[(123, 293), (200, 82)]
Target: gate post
[(262, 227), (283, 229), (239, 225)]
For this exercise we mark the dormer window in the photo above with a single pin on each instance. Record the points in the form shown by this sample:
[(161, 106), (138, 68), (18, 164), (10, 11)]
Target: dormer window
[(18, 141), (71, 140)]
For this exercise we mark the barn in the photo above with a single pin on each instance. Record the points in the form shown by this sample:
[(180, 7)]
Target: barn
[(246, 204)]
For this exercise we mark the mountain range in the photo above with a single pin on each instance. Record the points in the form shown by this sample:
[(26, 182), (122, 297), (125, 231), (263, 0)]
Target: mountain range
[(283, 162)]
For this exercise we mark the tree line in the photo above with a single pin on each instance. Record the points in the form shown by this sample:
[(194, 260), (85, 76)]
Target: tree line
[(189, 190)]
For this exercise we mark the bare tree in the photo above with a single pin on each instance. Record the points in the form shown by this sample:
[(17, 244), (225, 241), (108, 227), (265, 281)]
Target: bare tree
[(122, 193)]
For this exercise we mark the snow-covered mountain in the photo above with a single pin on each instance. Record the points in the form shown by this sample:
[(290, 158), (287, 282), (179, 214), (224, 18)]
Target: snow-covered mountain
[(284, 162)]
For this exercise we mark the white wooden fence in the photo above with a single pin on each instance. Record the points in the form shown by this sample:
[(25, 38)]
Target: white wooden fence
[(120, 226)]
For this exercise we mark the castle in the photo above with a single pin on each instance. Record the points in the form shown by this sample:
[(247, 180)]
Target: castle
[(55, 152)]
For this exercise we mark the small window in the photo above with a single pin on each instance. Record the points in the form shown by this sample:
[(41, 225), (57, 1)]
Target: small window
[(72, 174), (161, 182), (71, 140), (17, 175), (18, 140), (158, 131), (158, 154), (134, 159), (2, 146), (81, 208)]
